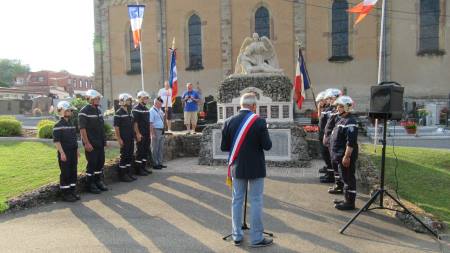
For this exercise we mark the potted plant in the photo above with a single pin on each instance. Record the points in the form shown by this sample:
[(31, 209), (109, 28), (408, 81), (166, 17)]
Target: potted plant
[(410, 127)]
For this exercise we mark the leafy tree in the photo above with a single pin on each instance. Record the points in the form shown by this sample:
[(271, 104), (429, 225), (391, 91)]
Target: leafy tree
[(9, 69)]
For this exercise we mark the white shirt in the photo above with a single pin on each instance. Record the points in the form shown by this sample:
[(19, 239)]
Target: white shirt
[(166, 95)]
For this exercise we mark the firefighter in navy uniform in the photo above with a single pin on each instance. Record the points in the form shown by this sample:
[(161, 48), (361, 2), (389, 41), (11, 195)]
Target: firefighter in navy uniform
[(344, 150), (91, 123), (329, 113), (141, 125), (65, 139), (322, 108), (123, 126)]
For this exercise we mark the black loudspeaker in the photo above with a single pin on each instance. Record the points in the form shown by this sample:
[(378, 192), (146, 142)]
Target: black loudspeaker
[(386, 99)]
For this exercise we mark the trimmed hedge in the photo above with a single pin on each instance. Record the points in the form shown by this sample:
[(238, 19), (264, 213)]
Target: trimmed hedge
[(45, 122), (9, 126), (108, 131), (45, 129)]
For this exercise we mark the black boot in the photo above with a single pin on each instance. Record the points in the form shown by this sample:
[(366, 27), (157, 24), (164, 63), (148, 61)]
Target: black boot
[(324, 169), (67, 196), (148, 171), (336, 189), (73, 191), (130, 173), (91, 186), (123, 175), (99, 183), (327, 178), (139, 170), (348, 204)]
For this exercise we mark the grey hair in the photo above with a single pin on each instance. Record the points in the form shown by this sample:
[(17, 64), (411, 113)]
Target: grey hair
[(248, 99)]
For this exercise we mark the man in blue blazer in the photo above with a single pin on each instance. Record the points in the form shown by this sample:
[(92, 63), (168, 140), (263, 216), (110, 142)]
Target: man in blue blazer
[(248, 170)]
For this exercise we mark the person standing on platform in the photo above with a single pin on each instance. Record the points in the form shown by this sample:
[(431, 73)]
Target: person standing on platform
[(142, 130), (123, 126), (246, 137), (190, 99), (166, 95), (92, 131), (65, 139), (157, 133), (344, 150)]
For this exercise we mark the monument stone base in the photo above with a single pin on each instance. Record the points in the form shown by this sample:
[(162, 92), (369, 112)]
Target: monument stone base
[(289, 146)]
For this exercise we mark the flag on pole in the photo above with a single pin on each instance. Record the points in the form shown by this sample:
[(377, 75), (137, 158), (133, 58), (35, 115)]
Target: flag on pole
[(136, 14), (173, 80), (363, 9), (302, 82)]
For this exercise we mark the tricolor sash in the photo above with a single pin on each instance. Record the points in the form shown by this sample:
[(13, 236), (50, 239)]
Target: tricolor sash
[(238, 139)]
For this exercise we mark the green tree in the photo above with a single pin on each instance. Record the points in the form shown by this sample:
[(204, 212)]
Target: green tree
[(9, 69)]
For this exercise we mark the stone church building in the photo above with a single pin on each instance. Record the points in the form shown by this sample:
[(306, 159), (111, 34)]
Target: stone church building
[(209, 34)]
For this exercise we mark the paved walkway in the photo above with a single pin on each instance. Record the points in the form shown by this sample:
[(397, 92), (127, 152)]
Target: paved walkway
[(186, 208)]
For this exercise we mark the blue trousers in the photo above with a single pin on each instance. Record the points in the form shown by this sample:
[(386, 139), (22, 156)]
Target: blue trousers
[(255, 197)]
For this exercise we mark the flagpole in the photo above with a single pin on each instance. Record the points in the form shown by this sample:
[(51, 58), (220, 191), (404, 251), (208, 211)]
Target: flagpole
[(142, 63), (381, 49), (380, 63), (310, 85)]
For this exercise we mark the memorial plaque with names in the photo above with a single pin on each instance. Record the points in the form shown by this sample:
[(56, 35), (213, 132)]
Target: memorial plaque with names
[(286, 111), (229, 111), (220, 112), (280, 151), (274, 111), (263, 112)]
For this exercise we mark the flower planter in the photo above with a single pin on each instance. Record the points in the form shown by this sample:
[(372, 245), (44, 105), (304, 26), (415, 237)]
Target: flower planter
[(411, 130)]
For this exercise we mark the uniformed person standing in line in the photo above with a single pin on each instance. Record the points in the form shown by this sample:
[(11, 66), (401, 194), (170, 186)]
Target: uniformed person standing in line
[(123, 126), (331, 95), (344, 150), (322, 106), (91, 123), (141, 127), (65, 139)]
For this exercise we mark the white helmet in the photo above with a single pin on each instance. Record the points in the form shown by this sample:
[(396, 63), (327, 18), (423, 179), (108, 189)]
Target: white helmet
[(124, 97), (345, 101), (91, 94), (333, 92), (64, 106), (143, 94), (320, 96)]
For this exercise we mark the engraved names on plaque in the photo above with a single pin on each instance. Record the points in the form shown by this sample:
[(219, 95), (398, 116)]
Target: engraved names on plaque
[(281, 145)]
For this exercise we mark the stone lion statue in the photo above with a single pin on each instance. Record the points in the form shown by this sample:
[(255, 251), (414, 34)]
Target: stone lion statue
[(257, 55)]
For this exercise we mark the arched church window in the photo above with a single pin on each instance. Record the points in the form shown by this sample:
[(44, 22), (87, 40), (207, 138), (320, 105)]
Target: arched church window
[(135, 57), (262, 22), (195, 43), (339, 31), (429, 26)]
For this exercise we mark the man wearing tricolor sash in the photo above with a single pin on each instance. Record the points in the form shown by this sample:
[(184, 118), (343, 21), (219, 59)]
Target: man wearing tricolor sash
[(245, 137)]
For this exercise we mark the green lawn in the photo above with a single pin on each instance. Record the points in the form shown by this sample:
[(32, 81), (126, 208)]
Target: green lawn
[(423, 176), (25, 166)]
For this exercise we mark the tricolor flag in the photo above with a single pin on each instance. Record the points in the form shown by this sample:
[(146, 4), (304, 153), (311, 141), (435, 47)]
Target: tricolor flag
[(173, 80), (363, 9), (301, 83), (136, 14)]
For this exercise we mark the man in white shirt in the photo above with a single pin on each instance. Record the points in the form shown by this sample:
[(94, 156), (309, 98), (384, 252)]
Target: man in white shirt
[(166, 95)]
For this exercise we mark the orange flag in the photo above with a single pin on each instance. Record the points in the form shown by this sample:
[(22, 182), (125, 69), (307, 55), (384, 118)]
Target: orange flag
[(363, 9)]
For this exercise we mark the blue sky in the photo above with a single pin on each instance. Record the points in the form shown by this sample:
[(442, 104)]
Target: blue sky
[(49, 34)]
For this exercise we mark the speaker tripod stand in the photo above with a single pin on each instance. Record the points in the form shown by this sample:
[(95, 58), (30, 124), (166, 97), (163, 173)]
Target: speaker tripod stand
[(381, 192), (244, 223)]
